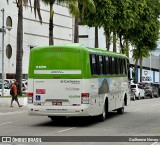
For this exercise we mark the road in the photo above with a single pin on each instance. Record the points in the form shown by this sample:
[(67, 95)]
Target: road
[(141, 118)]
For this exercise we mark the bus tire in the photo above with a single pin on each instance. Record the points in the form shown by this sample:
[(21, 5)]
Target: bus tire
[(103, 116), (121, 110)]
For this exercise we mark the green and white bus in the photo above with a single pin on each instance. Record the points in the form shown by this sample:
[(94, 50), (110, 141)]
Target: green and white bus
[(73, 80)]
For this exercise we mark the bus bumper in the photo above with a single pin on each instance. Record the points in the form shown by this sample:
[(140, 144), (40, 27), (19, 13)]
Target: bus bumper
[(83, 110)]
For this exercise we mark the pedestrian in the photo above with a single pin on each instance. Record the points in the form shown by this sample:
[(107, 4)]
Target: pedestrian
[(14, 94)]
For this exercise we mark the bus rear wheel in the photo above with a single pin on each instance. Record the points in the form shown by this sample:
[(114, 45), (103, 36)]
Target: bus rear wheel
[(120, 110), (103, 116)]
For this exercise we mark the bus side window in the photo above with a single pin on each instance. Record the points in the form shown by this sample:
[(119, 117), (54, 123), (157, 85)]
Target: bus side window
[(113, 65), (93, 64), (100, 65), (107, 65), (124, 66), (110, 65), (125, 60), (121, 66), (118, 66)]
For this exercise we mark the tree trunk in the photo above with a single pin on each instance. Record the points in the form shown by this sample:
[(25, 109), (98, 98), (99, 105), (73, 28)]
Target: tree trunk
[(19, 49), (135, 71), (76, 32), (127, 47), (121, 44), (96, 37), (114, 40), (140, 69), (108, 40), (51, 42)]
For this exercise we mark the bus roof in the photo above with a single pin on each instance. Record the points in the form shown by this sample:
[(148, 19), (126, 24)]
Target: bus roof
[(79, 46)]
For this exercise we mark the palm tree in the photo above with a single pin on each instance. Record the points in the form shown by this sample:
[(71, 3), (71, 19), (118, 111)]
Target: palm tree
[(20, 4), (74, 10), (139, 54), (85, 4)]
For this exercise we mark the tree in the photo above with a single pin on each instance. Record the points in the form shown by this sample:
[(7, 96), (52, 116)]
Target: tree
[(84, 5), (20, 4), (101, 18), (74, 10), (144, 35)]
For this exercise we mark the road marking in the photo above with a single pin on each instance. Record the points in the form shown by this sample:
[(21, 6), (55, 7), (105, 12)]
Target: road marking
[(66, 129), (5, 123), (137, 109), (155, 143)]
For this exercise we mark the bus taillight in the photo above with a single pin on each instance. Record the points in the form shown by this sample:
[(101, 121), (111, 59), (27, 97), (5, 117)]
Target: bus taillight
[(85, 98), (30, 97)]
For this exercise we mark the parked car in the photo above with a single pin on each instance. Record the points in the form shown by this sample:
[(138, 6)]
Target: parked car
[(157, 85), (138, 90), (6, 90), (132, 95), (151, 91), (24, 87)]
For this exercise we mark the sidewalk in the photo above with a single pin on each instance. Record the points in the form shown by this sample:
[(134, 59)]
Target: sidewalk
[(5, 105)]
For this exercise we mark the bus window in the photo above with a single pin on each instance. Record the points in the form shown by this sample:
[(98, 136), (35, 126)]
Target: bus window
[(113, 65), (110, 65), (124, 66), (121, 66), (118, 65), (107, 65), (100, 64), (93, 64)]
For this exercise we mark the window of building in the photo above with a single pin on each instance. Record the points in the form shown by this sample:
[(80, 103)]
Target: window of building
[(8, 51), (9, 23)]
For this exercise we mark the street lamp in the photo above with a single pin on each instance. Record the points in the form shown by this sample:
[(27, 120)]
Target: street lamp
[(3, 31), (151, 75)]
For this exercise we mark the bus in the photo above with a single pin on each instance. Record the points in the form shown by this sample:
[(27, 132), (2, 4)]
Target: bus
[(73, 80)]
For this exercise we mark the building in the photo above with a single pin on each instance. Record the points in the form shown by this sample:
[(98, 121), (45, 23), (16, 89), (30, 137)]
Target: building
[(34, 34)]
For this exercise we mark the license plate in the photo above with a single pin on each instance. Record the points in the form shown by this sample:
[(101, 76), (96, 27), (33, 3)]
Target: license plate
[(57, 103)]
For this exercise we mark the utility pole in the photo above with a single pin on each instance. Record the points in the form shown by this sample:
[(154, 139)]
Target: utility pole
[(3, 31)]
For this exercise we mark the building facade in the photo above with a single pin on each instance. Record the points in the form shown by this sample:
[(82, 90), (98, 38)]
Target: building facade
[(34, 33)]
